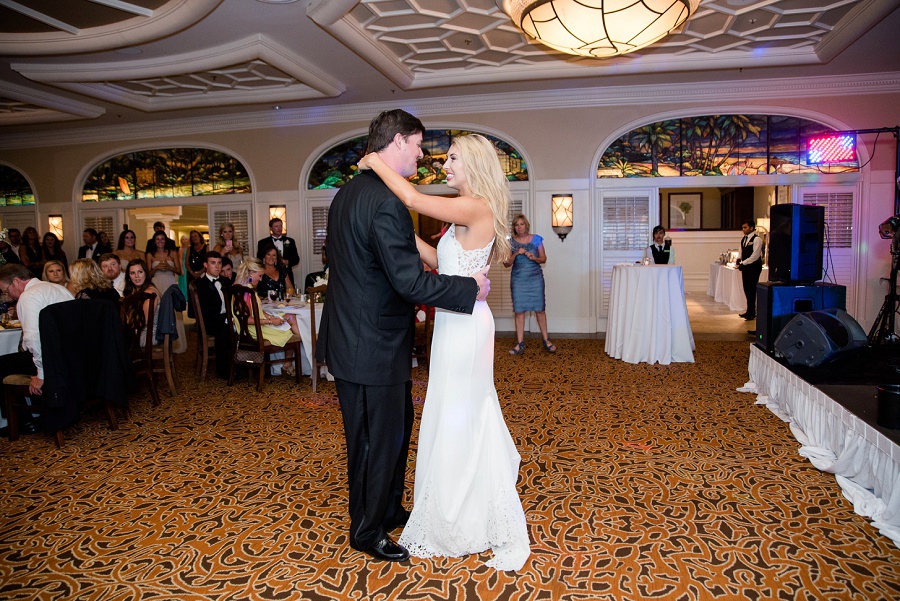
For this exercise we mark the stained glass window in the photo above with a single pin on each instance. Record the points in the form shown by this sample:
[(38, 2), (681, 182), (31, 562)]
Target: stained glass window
[(337, 166), (14, 188), (716, 145), (166, 173)]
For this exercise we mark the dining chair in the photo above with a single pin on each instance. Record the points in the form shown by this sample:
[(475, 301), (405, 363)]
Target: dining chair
[(422, 338), (15, 389), (137, 325), (205, 342), (313, 293), (252, 349)]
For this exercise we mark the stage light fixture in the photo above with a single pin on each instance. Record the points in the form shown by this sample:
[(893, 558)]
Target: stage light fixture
[(830, 149)]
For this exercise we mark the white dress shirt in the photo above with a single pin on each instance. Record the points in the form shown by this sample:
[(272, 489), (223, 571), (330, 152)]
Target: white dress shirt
[(757, 243), (217, 284), (279, 244), (119, 283), (36, 296)]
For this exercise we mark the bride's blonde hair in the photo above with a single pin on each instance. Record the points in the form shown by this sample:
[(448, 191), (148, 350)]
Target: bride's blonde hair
[(488, 182)]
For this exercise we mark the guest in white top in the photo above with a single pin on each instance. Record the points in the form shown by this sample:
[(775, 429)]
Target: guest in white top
[(32, 295), (111, 266), (661, 251)]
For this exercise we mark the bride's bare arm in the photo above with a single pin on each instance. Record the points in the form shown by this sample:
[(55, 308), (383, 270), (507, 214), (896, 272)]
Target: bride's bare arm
[(427, 252), (463, 210)]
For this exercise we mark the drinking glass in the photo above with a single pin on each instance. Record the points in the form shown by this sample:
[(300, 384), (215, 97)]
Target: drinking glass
[(272, 296)]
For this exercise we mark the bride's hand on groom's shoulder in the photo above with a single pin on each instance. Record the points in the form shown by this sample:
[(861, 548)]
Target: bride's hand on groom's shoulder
[(364, 163)]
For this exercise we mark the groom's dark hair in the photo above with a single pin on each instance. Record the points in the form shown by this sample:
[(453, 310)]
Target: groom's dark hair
[(388, 124)]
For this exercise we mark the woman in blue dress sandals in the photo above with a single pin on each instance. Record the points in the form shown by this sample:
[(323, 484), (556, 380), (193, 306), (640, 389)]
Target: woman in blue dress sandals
[(526, 255), (467, 465)]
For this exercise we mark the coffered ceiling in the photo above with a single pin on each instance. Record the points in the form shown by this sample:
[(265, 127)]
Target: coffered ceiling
[(136, 60)]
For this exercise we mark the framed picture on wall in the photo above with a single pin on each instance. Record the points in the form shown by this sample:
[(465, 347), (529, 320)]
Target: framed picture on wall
[(685, 210)]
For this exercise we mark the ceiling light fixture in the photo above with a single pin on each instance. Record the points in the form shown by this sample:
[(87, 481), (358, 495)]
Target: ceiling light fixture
[(598, 28)]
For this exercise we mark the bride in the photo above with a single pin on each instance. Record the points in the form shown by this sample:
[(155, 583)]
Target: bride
[(467, 465)]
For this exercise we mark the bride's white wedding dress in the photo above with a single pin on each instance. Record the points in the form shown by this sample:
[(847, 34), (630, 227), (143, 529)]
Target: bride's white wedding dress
[(465, 498)]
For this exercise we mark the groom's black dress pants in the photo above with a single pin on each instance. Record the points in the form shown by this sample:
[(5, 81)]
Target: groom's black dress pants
[(377, 425)]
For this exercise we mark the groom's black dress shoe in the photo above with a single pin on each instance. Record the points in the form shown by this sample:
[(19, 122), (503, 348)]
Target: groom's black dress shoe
[(385, 550), (397, 522)]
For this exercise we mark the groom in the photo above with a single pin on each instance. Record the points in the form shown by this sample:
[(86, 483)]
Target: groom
[(375, 279)]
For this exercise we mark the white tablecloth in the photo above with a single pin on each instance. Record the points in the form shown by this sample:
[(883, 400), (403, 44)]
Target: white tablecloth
[(726, 286), (9, 341), (302, 314), (648, 318), (865, 462)]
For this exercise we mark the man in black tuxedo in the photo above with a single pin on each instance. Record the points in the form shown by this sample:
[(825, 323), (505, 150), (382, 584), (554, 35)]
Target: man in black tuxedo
[(92, 248), (366, 334), (159, 226), (10, 248), (750, 265), (285, 245), (211, 294)]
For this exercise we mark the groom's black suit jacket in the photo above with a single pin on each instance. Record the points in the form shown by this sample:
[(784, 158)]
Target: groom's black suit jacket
[(375, 277)]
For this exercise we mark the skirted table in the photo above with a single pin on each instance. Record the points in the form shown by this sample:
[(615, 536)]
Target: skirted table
[(648, 317)]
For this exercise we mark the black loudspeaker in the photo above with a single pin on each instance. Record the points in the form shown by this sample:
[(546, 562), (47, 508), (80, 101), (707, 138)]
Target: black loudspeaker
[(778, 302), (796, 240), (813, 338)]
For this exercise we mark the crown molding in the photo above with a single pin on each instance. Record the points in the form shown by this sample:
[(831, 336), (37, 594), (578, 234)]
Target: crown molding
[(855, 23), (682, 93), (52, 106)]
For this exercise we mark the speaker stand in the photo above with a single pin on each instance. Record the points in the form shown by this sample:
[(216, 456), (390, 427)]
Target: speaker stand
[(883, 331)]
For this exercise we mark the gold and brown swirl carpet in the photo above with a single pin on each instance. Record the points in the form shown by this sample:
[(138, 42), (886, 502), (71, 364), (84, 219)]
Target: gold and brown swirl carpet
[(638, 481)]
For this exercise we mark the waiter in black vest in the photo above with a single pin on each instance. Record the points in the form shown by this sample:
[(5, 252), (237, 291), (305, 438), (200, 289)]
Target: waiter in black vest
[(750, 264), (661, 250)]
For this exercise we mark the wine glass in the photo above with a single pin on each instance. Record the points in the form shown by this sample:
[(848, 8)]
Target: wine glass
[(272, 294)]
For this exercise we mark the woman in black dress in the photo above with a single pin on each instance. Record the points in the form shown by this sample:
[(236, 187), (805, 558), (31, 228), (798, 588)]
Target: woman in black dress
[(275, 276), (195, 260), (30, 252)]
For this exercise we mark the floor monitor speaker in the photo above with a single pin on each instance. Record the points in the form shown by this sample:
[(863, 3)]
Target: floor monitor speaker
[(816, 337)]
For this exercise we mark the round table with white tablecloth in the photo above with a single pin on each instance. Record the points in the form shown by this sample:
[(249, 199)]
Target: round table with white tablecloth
[(726, 286), (648, 319), (9, 340)]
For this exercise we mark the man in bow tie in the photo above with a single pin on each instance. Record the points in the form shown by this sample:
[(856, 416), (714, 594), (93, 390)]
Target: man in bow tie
[(750, 264), (285, 245), (211, 294)]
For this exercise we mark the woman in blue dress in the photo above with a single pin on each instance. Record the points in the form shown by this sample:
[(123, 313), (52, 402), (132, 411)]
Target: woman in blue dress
[(527, 281)]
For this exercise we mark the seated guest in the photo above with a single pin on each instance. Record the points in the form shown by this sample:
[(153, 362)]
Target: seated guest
[(88, 282), (249, 274), (275, 274), (227, 273), (32, 296), (661, 251), (55, 273), (211, 296), (311, 278), (111, 266), (137, 279), (10, 246)]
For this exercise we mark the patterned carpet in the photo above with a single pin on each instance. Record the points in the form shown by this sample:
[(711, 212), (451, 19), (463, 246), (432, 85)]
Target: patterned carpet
[(639, 482)]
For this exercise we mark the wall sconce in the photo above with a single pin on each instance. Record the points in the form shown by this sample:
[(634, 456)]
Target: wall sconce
[(278, 212), (562, 215), (55, 225)]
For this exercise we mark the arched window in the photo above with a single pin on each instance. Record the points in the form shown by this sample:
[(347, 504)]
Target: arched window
[(166, 173), (716, 145), (14, 188), (337, 165)]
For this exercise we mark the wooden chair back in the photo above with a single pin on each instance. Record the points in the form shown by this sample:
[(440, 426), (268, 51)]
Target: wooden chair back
[(204, 341), (312, 293), (138, 325), (422, 339)]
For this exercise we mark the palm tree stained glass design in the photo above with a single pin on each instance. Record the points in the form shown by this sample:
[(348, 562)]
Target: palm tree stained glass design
[(716, 145)]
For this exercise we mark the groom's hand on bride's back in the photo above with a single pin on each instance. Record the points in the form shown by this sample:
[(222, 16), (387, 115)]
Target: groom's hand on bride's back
[(484, 284)]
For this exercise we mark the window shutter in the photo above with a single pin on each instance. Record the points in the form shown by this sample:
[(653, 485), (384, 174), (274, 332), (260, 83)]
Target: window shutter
[(626, 231), (500, 299), (319, 228), (19, 220), (838, 215), (101, 223)]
